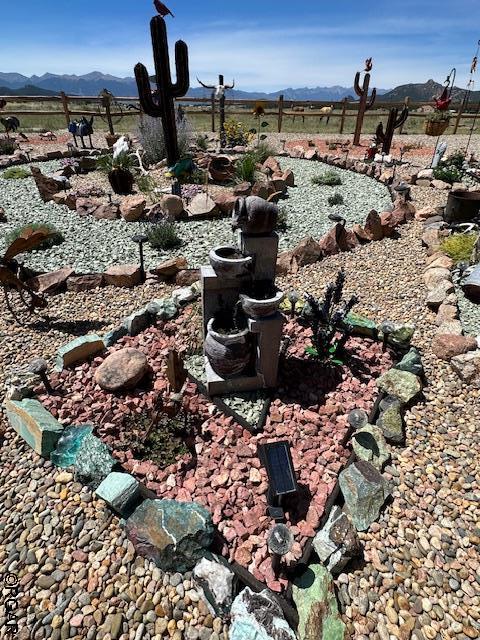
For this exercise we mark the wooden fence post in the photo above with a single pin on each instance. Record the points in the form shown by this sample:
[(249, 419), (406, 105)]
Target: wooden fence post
[(213, 111), (108, 113), (406, 102), (280, 113), (65, 107), (459, 116), (342, 117)]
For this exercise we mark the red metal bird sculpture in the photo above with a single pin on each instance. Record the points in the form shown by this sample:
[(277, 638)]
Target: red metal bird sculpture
[(443, 102), (368, 65), (162, 9)]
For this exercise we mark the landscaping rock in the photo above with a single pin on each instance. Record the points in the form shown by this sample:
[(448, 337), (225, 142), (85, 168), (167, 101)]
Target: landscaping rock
[(174, 535), (123, 369), (260, 189), (51, 282), (365, 491), (432, 277), (361, 325), (163, 308), (306, 252), (78, 350), (67, 199), (453, 327), (34, 424), (446, 313), (93, 462), (124, 275), (202, 206), (334, 241), (337, 542), (412, 362), (225, 201), (85, 283), (169, 268), (467, 367), (360, 232), (401, 336), (439, 292), (390, 420), (447, 346), (373, 226), (314, 596), (440, 260), (46, 186), (69, 445), (243, 189), (115, 335), (403, 385), (369, 444), (184, 296), (108, 211), (289, 178), (216, 580), (120, 491), (187, 277), (172, 206), (440, 184), (271, 164), (258, 616), (132, 207), (137, 321)]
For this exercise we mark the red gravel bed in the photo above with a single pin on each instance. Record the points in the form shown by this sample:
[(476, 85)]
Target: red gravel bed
[(310, 410)]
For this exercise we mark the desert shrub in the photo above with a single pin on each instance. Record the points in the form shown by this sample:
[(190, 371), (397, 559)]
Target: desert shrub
[(163, 236), (146, 184), (264, 151), (16, 173), (459, 246), (57, 237), (448, 173), (150, 135), (236, 133), (246, 167), (337, 198), (328, 178), (202, 141), (282, 220), (108, 163), (456, 159), (7, 147)]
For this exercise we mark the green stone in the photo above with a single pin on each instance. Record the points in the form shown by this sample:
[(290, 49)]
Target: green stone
[(113, 336), (93, 462), (362, 326), (403, 385), (390, 422), (314, 597), (369, 445), (163, 308), (34, 424), (401, 336), (69, 445), (78, 350), (119, 490), (365, 491), (411, 362)]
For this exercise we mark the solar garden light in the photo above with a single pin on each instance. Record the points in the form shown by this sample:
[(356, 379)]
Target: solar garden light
[(140, 239), (277, 460), (357, 418), (403, 189), (280, 542), (386, 328), (336, 217), (39, 367), (293, 298)]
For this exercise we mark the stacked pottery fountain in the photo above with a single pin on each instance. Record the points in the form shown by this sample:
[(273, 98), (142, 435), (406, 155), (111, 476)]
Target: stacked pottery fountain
[(242, 323)]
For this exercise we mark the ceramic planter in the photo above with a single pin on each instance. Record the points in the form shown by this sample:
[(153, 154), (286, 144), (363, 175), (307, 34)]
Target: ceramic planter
[(255, 308), (121, 181), (227, 353), (227, 266)]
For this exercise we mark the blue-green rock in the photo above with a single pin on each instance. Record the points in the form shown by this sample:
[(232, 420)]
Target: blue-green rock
[(34, 424), (163, 308), (365, 491), (175, 535), (78, 350), (119, 490), (369, 444), (411, 362), (113, 336), (137, 322), (93, 462), (401, 336), (314, 595), (69, 444), (403, 385), (258, 616), (361, 326), (390, 420)]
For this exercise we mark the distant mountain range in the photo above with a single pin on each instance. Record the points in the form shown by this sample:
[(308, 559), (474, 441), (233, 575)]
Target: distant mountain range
[(91, 84)]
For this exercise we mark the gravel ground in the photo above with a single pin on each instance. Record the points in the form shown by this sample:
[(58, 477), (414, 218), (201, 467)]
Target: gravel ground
[(421, 573), (93, 245)]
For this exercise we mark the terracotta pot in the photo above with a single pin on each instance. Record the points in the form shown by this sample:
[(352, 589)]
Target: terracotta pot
[(255, 308), (228, 354), (221, 169), (121, 181), (436, 128), (227, 266)]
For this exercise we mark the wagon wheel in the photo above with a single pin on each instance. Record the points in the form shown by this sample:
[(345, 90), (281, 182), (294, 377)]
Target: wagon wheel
[(115, 107)]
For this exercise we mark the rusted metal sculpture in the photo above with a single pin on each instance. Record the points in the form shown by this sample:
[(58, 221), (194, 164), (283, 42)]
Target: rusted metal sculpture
[(218, 93), (12, 277), (365, 103), (394, 122), (160, 103)]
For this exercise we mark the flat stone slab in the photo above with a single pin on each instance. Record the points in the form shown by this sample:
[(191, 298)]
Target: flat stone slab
[(34, 424), (77, 350)]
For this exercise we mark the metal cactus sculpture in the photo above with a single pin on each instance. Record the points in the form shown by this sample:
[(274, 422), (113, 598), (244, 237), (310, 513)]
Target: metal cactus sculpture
[(394, 121), (219, 94), (365, 103), (160, 103)]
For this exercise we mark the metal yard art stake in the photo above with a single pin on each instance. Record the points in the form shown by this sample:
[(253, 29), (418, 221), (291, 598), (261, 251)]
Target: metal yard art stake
[(365, 103), (218, 93), (443, 101), (160, 103), (394, 122), (470, 85)]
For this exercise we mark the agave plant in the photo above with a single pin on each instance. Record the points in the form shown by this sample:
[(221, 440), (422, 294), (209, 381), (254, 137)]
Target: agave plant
[(327, 319)]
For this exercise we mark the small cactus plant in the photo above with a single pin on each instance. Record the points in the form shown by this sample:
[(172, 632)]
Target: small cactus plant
[(394, 121), (365, 103)]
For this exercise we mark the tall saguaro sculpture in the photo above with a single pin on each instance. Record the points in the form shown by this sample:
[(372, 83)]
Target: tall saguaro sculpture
[(365, 103), (160, 103), (394, 122), (219, 94)]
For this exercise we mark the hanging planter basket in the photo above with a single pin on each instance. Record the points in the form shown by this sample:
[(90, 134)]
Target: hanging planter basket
[(436, 127)]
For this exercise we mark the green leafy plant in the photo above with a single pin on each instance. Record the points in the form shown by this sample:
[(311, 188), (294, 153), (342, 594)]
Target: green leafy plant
[(264, 151), (246, 167), (438, 116), (163, 235), (236, 134), (146, 184), (337, 198), (456, 159), (55, 239), (7, 147), (282, 219), (328, 178), (447, 173), (459, 246), (16, 173), (202, 142), (123, 161)]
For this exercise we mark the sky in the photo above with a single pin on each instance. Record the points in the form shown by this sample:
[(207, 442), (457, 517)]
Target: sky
[(264, 45)]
